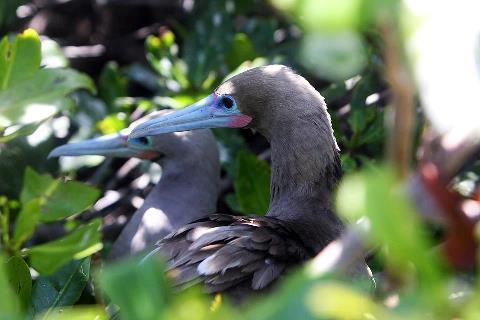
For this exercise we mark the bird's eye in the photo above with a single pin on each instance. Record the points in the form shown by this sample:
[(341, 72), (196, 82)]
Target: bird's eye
[(227, 102), (142, 142)]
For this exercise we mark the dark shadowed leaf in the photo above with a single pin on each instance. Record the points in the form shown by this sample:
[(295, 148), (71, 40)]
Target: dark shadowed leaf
[(82, 242), (112, 84), (63, 288), (252, 184), (20, 280)]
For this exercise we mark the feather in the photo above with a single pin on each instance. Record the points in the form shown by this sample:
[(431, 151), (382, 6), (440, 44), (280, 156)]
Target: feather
[(266, 275)]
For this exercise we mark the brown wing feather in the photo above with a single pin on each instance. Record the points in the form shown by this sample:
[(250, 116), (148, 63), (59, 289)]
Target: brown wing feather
[(225, 251)]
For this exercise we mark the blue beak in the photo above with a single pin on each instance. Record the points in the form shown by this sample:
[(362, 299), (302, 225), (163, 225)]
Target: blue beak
[(206, 113)]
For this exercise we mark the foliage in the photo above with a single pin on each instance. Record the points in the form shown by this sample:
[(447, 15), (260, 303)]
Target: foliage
[(337, 45)]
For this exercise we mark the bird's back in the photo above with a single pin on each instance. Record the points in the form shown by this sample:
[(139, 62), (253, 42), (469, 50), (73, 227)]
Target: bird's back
[(231, 253)]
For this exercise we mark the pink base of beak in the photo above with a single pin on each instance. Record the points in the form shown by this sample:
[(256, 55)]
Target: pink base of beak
[(239, 121)]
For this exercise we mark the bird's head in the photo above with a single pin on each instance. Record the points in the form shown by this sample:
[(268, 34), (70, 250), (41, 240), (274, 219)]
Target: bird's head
[(262, 98)]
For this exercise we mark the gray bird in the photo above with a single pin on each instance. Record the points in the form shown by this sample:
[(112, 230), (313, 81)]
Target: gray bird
[(239, 254), (188, 188)]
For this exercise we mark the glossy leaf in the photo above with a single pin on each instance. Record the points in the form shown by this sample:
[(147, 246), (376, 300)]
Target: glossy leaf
[(59, 199), (139, 289), (45, 86), (82, 242), (68, 199), (26, 221), (252, 184), (20, 60), (63, 288), (20, 280)]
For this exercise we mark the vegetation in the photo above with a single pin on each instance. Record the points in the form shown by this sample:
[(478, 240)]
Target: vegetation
[(410, 193)]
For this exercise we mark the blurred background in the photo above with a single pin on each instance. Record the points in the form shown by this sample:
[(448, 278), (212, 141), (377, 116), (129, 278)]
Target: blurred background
[(401, 82)]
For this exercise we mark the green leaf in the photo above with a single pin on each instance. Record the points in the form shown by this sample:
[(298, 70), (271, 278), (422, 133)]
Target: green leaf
[(36, 185), (324, 15), (68, 199), (46, 86), (328, 300), (356, 120), (76, 313), (252, 184), (112, 84), (59, 199), (20, 60), (112, 123), (84, 241), (20, 280), (395, 226), (139, 289), (240, 51), (9, 304), (21, 130), (26, 221), (63, 288)]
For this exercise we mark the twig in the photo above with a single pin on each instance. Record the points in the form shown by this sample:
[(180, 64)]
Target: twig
[(402, 120)]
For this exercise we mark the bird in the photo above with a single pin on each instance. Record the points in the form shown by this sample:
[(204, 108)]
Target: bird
[(242, 255), (188, 188)]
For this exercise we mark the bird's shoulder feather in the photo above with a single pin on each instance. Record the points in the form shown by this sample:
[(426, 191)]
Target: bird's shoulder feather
[(223, 251)]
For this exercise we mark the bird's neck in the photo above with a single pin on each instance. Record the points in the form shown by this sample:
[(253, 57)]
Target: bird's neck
[(305, 170), (188, 188), (186, 191)]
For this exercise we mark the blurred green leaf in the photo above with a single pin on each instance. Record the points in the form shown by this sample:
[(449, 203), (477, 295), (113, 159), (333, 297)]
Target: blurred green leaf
[(9, 304), (54, 194), (52, 54), (20, 60), (334, 300), (241, 50), (252, 184), (112, 84), (26, 221), (20, 130), (348, 163), (20, 280), (377, 194), (112, 123), (82, 242), (357, 121), (63, 288), (334, 57), (139, 289), (324, 15), (76, 313), (47, 85)]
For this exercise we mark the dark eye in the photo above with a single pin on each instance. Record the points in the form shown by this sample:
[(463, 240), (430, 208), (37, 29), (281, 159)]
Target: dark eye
[(141, 141), (227, 102)]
